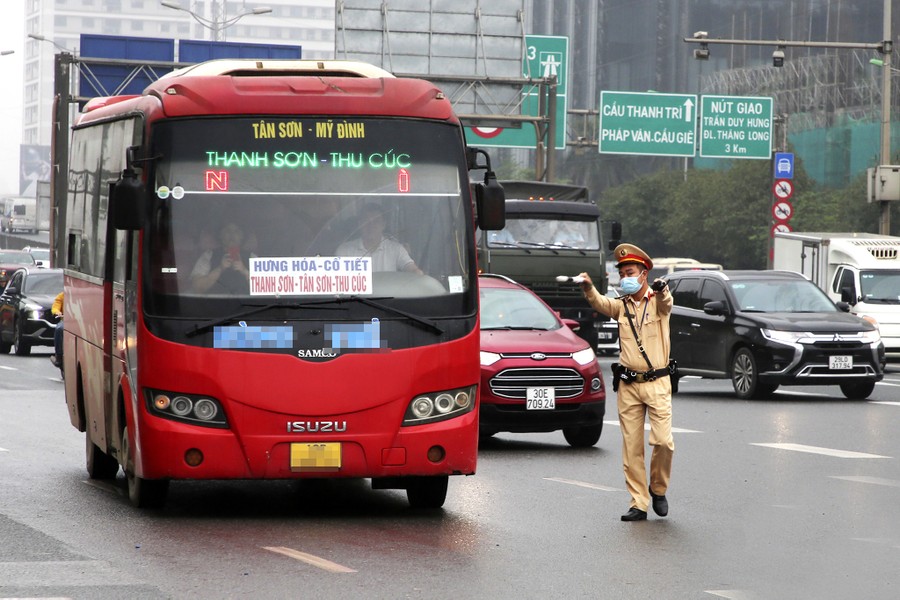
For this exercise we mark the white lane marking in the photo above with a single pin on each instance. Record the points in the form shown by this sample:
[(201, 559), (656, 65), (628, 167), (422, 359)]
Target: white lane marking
[(730, 594), (647, 428), (8, 368), (818, 450), (310, 559), (584, 484), (864, 479), (879, 541), (888, 383), (885, 402), (3, 450)]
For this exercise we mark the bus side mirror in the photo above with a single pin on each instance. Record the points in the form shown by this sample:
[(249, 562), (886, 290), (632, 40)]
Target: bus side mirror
[(490, 202), (127, 198)]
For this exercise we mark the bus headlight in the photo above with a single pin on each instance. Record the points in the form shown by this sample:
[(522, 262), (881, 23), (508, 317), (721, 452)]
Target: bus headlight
[(187, 408), (438, 406)]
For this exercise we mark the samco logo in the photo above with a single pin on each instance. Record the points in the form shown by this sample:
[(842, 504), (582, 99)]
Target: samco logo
[(317, 353)]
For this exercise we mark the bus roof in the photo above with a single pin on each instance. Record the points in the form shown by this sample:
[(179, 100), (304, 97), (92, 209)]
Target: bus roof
[(245, 67), (280, 87)]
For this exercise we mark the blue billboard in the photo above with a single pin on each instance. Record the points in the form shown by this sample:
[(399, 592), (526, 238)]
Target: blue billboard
[(133, 75), (195, 51)]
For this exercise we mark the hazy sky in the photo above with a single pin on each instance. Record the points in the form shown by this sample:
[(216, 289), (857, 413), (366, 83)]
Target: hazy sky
[(12, 37)]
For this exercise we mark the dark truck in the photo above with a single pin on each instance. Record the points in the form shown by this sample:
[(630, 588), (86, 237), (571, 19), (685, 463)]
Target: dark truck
[(551, 229)]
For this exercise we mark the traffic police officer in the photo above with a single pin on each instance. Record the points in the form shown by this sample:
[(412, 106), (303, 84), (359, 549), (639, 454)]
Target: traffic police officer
[(641, 376)]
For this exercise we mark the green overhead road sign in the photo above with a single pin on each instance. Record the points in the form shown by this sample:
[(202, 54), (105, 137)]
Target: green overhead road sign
[(735, 127), (544, 56), (647, 123)]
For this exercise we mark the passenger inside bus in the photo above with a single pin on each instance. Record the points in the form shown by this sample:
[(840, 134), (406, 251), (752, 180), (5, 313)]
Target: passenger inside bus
[(225, 267), (387, 254)]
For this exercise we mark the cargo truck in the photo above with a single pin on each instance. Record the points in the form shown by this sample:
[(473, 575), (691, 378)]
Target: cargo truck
[(551, 229), (860, 269)]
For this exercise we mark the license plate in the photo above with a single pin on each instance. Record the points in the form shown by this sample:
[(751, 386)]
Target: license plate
[(319, 456), (840, 362), (540, 398), (605, 335)]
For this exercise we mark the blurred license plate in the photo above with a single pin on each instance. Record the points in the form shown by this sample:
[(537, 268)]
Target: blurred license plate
[(840, 362), (605, 335), (540, 398), (321, 456)]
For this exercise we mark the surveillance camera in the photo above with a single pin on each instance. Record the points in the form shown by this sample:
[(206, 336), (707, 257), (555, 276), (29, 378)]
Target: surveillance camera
[(701, 34), (778, 58), (702, 53)]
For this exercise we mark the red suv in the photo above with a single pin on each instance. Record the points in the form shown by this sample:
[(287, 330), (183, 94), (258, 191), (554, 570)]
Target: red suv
[(536, 373)]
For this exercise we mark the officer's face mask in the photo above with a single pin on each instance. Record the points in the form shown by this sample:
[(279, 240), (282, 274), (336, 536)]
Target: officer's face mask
[(630, 285)]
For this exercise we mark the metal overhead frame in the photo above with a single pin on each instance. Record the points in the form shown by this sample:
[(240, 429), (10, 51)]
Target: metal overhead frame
[(507, 114), (884, 47)]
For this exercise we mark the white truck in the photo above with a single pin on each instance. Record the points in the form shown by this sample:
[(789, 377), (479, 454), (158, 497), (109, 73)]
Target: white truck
[(20, 215), (861, 269)]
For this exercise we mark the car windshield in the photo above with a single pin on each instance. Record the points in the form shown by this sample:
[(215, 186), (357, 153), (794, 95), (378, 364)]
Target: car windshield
[(880, 286), (506, 308), (16, 258), (48, 284), (546, 232), (773, 295), (40, 253)]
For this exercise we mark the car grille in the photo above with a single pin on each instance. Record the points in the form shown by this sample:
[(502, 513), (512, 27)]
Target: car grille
[(512, 383)]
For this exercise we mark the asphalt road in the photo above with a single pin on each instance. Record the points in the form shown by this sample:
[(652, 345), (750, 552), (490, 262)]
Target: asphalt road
[(785, 498)]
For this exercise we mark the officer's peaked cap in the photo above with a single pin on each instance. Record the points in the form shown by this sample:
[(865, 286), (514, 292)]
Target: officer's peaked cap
[(629, 253)]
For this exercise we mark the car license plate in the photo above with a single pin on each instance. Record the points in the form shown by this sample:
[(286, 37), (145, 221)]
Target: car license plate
[(540, 398), (605, 335), (319, 456), (840, 362)]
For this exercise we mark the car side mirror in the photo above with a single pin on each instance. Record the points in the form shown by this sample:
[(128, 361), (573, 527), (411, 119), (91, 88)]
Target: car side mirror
[(11, 290), (716, 307), (572, 324), (844, 306)]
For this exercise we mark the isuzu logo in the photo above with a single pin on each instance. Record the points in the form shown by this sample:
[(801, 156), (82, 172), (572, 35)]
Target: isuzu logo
[(316, 426), (538, 356)]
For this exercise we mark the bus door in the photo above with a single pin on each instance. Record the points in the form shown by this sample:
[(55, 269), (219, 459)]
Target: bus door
[(122, 284)]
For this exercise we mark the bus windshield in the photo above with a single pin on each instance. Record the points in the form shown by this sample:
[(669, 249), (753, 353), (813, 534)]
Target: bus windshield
[(255, 210)]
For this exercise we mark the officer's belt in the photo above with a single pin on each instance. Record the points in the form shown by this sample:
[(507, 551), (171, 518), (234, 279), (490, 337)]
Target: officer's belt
[(629, 376)]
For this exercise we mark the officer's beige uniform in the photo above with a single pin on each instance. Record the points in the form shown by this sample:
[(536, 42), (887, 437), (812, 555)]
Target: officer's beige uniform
[(651, 319)]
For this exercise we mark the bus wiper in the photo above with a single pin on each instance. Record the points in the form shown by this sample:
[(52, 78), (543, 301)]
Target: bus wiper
[(254, 309), (427, 324)]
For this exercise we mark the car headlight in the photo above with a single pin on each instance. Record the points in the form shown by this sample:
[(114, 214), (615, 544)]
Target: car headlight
[(438, 406), (873, 337), (584, 357), (489, 358), (785, 337)]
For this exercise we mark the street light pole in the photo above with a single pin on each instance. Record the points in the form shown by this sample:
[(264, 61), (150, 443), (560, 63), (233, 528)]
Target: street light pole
[(885, 223), (218, 23)]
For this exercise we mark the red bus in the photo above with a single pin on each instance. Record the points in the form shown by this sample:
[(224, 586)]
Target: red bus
[(270, 274)]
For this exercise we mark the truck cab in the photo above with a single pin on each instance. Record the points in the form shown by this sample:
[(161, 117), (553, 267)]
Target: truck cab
[(859, 269), (551, 230)]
